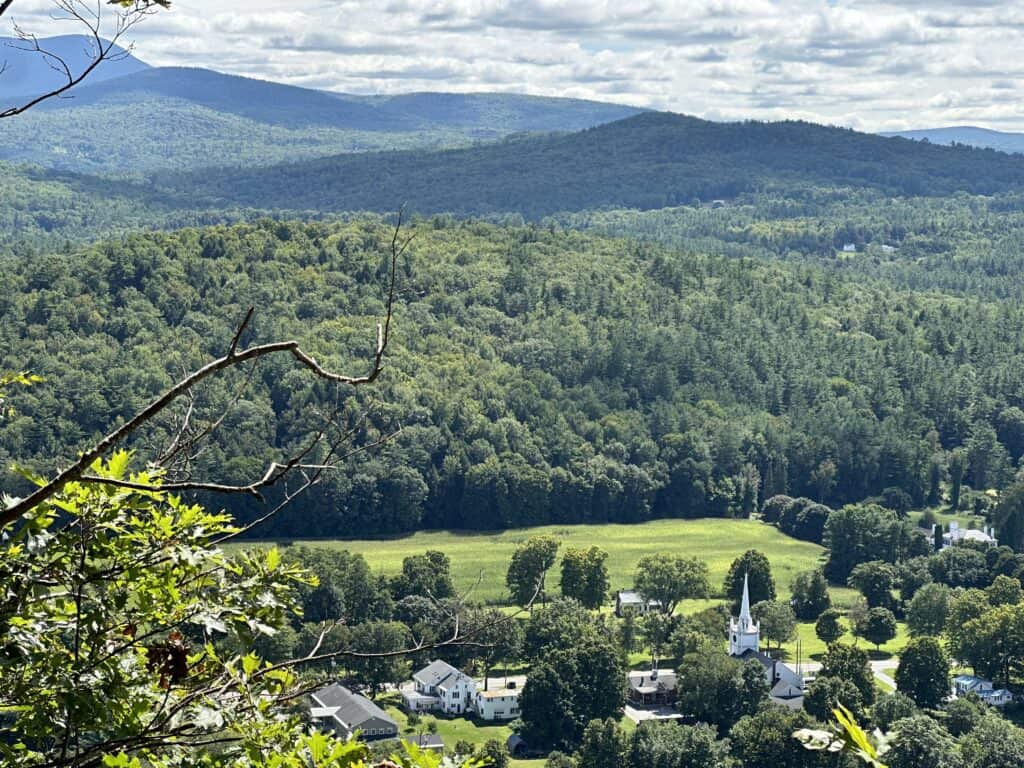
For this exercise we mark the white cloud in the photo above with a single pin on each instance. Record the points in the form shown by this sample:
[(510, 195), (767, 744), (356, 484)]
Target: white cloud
[(871, 64)]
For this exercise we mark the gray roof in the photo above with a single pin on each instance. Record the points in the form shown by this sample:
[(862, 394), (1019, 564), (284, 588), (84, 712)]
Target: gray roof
[(351, 709), (751, 655), (645, 682), (435, 673)]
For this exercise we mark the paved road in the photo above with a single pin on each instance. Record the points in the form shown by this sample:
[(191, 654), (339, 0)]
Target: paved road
[(880, 669)]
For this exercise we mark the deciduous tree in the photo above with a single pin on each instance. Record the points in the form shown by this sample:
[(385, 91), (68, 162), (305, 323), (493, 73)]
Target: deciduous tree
[(923, 673), (528, 568), (753, 566), (670, 579)]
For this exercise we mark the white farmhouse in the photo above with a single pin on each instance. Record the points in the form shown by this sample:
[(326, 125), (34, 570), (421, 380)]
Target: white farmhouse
[(440, 686), (784, 682), (629, 601), (965, 684), (956, 535), (498, 703)]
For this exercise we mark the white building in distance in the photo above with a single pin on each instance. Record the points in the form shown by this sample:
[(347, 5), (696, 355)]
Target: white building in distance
[(440, 687), (956, 535), (785, 683)]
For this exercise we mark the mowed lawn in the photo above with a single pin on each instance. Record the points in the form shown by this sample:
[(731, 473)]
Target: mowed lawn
[(480, 560)]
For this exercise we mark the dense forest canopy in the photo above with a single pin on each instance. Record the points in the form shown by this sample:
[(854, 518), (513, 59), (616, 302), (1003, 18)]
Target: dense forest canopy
[(537, 374)]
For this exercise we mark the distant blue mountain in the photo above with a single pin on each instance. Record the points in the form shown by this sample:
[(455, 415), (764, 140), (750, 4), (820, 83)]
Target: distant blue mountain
[(28, 73), (131, 118), (490, 114), (969, 135)]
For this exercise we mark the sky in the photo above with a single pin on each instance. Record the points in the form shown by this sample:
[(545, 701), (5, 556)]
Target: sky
[(866, 64)]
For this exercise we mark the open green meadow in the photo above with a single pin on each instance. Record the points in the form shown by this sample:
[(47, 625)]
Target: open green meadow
[(480, 560)]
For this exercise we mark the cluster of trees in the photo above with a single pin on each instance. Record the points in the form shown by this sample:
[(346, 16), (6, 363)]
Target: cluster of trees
[(964, 733), (634, 389)]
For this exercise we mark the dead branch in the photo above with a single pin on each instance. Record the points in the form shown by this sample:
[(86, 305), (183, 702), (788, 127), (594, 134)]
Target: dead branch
[(77, 471), (79, 12)]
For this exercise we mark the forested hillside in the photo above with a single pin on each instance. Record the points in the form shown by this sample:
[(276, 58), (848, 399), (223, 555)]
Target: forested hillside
[(964, 244), (537, 375), (648, 161)]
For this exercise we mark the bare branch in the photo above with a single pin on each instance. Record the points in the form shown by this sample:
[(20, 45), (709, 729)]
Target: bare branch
[(241, 329), (104, 50), (78, 469)]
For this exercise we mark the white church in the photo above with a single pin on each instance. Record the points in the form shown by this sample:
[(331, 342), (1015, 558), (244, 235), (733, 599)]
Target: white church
[(786, 684)]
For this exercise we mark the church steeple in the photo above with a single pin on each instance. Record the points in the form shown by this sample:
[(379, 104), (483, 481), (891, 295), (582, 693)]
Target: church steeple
[(745, 618), (744, 633)]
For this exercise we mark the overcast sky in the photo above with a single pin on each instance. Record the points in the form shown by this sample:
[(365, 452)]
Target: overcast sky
[(868, 64)]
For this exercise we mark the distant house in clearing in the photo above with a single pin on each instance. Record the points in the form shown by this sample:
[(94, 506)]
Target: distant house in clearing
[(849, 248), (956, 535), (785, 684), (888, 248), (440, 686), (652, 687), (965, 684), (629, 601), (344, 712), (498, 703)]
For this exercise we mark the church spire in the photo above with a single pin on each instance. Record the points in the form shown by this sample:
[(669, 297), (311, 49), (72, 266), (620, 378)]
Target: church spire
[(744, 634), (745, 618)]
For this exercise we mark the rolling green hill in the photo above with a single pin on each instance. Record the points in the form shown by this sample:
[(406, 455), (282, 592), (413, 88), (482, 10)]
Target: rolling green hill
[(647, 161)]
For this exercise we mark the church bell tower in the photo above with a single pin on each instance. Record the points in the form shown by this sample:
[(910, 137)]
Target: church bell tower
[(744, 632)]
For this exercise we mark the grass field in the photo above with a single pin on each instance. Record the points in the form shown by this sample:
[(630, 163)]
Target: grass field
[(479, 560), (812, 649), (454, 730)]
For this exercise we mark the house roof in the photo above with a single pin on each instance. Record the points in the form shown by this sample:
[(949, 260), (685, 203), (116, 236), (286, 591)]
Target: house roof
[(632, 597), (644, 682), (967, 679), (751, 655), (436, 672), (350, 709), (496, 693)]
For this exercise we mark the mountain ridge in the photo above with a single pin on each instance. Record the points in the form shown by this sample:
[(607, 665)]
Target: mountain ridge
[(971, 135), (650, 160)]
